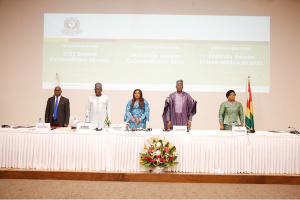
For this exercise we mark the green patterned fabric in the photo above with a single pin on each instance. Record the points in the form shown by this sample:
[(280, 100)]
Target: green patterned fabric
[(227, 127), (231, 112)]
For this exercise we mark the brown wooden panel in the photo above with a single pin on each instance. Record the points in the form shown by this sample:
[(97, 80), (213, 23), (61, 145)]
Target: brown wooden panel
[(148, 177)]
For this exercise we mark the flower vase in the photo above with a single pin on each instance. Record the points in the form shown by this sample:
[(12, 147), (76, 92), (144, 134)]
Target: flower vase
[(159, 170)]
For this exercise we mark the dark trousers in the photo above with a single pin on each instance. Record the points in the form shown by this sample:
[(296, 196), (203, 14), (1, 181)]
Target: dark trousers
[(54, 122)]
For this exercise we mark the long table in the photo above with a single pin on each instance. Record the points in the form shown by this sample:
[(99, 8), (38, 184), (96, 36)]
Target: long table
[(202, 151)]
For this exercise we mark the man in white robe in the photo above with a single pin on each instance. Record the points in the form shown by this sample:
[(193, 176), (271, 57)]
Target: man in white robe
[(98, 108)]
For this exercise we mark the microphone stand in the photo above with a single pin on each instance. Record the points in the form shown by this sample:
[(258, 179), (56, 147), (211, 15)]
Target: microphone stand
[(294, 131), (130, 130)]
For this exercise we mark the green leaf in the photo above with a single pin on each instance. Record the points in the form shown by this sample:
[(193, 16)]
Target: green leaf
[(147, 164), (168, 165)]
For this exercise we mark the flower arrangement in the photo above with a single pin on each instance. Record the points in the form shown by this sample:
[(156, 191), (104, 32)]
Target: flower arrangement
[(158, 153)]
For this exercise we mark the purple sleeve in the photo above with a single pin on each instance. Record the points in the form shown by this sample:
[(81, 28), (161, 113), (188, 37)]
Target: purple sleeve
[(192, 107), (168, 113)]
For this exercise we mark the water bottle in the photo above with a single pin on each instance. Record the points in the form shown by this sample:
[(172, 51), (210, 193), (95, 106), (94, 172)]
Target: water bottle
[(127, 126), (233, 125), (40, 120)]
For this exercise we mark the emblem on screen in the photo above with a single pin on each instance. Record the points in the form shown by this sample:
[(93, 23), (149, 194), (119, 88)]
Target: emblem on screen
[(71, 26)]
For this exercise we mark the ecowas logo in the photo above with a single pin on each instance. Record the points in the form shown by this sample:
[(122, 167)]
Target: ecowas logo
[(71, 25)]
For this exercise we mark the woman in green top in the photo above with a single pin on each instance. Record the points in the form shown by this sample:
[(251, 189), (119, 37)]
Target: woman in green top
[(231, 111)]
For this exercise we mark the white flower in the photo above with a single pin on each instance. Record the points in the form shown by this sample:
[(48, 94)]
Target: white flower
[(158, 145), (157, 153), (174, 153)]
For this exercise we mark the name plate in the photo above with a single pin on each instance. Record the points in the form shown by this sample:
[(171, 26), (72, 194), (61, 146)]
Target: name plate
[(180, 129), (241, 130), (84, 127), (117, 127), (42, 127)]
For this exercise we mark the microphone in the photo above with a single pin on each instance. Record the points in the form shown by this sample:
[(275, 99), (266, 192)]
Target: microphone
[(292, 131)]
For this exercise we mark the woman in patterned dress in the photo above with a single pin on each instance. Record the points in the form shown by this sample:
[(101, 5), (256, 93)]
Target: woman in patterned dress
[(137, 110), (231, 111)]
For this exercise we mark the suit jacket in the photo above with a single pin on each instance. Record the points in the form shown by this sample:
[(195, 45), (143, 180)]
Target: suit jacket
[(63, 111)]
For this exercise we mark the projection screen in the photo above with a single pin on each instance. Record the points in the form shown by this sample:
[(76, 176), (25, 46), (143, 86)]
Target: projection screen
[(151, 52)]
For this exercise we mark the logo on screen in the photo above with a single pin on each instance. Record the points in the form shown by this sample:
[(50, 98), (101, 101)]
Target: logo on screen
[(71, 26)]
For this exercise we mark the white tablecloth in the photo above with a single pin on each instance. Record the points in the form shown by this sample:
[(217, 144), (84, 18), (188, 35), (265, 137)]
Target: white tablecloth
[(199, 151)]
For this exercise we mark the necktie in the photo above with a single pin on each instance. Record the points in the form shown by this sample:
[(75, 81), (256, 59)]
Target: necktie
[(55, 109)]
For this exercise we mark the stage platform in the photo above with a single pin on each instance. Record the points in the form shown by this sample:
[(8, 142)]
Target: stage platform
[(290, 179)]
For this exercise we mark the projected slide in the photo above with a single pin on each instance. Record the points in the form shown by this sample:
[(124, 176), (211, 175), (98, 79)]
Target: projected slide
[(151, 52)]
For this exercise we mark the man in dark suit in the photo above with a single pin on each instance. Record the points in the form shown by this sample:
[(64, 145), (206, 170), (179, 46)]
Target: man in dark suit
[(58, 109)]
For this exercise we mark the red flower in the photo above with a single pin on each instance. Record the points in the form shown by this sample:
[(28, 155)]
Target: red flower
[(146, 158), (171, 158), (161, 160), (157, 156), (166, 149), (150, 150)]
